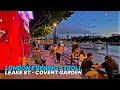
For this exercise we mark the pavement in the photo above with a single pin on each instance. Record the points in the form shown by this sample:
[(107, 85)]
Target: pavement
[(49, 62)]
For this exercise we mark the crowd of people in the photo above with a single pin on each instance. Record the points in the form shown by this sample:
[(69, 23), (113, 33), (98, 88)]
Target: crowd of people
[(90, 69), (80, 58)]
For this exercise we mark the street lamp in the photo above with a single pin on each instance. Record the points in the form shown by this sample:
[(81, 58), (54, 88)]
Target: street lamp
[(54, 24), (54, 39)]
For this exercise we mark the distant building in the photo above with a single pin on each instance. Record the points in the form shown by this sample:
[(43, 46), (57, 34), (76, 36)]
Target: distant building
[(98, 36), (112, 35), (68, 35), (94, 36)]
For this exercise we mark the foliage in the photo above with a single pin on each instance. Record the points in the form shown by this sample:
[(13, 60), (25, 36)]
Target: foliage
[(43, 23)]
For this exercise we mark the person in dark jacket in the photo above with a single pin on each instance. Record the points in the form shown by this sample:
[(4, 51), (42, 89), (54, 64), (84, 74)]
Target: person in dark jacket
[(34, 45), (74, 46), (86, 66), (110, 65)]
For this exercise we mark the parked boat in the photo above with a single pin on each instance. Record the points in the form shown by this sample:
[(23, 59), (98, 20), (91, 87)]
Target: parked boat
[(114, 43), (97, 46)]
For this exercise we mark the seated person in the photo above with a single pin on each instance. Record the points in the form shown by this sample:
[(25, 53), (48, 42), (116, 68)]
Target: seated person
[(37, 57), (109, 66), (75, 56), (82, 56), (86, 66)]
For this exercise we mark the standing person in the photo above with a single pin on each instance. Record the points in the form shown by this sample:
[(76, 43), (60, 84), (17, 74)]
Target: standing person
[(109, 64), (34, 45), (74, 46), (37, 57), (38, 42), (58, 50), (75, 57), (52, 49), (86, 66), (53, 52), (62, 45)]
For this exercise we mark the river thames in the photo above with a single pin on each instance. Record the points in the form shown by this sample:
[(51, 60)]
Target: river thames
[(113, 50)]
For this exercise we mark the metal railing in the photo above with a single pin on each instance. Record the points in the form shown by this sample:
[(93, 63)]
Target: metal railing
[(99, 57)]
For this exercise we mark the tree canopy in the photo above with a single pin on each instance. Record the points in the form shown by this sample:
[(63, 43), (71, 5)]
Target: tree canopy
[(44, 20)]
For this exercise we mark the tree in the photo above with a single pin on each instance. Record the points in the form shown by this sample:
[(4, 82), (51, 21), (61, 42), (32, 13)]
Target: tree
[(43, 22)]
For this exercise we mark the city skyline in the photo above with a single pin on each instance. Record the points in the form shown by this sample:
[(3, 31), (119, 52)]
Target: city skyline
[(89, 23)]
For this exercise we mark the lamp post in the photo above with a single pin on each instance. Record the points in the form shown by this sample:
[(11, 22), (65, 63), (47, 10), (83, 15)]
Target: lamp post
[(54, 35), (67, 35)]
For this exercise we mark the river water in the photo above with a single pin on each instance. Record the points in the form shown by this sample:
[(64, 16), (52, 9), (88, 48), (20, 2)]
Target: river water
[(113, 50)]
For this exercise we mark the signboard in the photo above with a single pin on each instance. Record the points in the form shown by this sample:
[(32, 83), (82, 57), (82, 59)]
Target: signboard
[(26, 16)]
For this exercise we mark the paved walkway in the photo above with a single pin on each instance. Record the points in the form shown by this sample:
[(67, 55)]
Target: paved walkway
[(50, 62)]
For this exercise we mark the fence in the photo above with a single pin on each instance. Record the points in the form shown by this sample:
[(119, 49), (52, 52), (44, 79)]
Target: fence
[(98, 57)]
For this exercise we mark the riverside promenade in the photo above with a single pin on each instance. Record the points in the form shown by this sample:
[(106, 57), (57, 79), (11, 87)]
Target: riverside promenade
[(49, 62)]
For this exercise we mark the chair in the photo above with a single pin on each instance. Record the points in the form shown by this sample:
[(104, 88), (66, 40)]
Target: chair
[(116, 74)]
